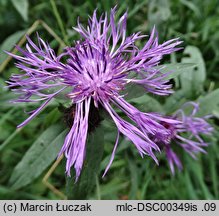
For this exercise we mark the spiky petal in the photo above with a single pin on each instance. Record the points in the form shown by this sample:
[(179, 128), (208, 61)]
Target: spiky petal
[(185, 133), (96, 69)]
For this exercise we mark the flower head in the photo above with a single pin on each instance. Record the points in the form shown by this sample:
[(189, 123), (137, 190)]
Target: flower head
[(186, 133), (97, 68)]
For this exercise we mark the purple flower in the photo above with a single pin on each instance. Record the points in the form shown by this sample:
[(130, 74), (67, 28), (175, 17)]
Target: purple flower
[(95, 70), (185, 133)]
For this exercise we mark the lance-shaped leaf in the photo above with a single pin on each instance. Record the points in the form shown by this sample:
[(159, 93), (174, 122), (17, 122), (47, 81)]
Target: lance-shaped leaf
[(193, 80), (40, 155), (209, 103), (173, 70)]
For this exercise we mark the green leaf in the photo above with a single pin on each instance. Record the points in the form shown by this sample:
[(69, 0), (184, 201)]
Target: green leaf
[(192, 6), (177, 69), (137, 7), (174, 101), (146, 181), (40, 155), (22, 8), (86, 182), (189, 185), (9, 194), (193, 80), (9, 43), (209, 103), (147, 103), (134, 178), (196, 170), (158, 11), (135, 91), (113, 187), (213, 169), (6, 116)]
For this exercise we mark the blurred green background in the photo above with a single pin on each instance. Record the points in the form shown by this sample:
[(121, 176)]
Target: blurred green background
[(130, 177)]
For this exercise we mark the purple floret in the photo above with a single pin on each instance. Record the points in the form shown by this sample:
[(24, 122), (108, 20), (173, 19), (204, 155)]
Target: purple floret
[(96, 69), (186, 133)]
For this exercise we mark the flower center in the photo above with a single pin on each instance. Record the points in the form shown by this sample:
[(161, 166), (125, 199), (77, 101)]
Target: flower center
[(94, 73)]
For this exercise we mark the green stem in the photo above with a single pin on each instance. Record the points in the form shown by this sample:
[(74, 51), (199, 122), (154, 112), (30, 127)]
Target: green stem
[(8, 140), (59, 20), (98, 188), (86, 182)]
